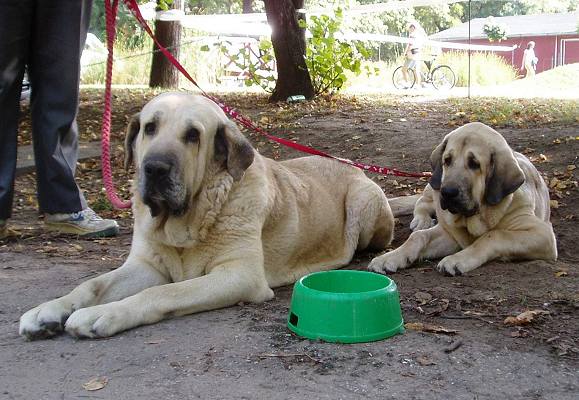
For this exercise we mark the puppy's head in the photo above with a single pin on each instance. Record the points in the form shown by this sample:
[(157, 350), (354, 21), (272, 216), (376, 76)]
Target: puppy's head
[(175, 142), (474, 166)]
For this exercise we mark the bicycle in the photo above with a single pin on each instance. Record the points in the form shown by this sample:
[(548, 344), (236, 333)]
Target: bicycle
[(442, 77)]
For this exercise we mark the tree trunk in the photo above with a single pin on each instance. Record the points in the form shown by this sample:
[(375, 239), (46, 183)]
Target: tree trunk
[(163, 74), (247, 6), (289, 45)]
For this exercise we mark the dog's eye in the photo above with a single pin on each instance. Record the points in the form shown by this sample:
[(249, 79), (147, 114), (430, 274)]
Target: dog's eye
[(191, 136), (448, 161), (473, 164), (150, 128)]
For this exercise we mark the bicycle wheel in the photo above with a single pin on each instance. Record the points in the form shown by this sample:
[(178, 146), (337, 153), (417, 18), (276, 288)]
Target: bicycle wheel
[(399, 81), (443, 77)]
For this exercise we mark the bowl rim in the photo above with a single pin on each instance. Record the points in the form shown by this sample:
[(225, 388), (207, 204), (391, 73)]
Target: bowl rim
[(350, 294)]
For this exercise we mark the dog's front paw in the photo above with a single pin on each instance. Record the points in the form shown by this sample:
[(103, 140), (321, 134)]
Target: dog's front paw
[(455, 265), (98, 321), (421, 222), (389, 262), (44, 321)]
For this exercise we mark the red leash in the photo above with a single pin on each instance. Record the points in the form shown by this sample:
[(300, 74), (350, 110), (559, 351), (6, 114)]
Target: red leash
[(111, 11)]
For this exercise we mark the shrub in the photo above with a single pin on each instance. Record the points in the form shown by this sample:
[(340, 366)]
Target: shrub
[(487, 69), (494, 30), (328, 57)]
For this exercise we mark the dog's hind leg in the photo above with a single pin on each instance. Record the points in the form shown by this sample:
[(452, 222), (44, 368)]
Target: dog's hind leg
[(48, 319), (424, 211), (369, 219)]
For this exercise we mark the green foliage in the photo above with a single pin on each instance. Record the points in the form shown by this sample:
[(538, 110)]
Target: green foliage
[(495, 31), (164, 5), (256, 65), (129, 32), (328, 57), (501, 8), (487, 69)]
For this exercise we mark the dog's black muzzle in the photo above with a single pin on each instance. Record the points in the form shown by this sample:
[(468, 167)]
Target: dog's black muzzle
[(451, 199), (159, 185)]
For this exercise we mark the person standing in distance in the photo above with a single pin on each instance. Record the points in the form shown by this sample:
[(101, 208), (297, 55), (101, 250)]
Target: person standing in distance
[(529, 63)]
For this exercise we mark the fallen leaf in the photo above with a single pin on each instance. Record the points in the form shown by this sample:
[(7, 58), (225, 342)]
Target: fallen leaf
[(554, 203), (524, 318), (421, 327), (422, 297), (95, 383), (424, 361), (559, 274)]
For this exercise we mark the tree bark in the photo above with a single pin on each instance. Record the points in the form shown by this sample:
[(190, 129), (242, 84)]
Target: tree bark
[(289, 45), (163, 73)]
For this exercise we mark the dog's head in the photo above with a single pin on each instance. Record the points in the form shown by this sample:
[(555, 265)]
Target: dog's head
[(474, 166), (175, 142)]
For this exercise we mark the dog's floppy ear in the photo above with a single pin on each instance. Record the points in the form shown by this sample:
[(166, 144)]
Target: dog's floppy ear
[(132, 132), (436, 164), (233, 150), (504, 177)]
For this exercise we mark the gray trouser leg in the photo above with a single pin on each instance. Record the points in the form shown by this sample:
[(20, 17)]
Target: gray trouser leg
[(58, 34), (15, 23)]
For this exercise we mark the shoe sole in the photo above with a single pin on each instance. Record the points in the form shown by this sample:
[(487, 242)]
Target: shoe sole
[(75, 230)]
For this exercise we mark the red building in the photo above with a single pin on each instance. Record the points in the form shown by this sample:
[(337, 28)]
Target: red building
[(555, 36)]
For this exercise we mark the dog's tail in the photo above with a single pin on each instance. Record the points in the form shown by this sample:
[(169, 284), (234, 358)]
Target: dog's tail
[(403, 205)]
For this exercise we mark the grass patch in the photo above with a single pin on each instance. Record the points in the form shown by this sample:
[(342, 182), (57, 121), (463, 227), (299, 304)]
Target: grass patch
[(487, 69), (565, 77), (514, 112)]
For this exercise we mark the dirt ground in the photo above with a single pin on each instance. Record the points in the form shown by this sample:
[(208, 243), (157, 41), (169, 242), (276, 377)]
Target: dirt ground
[(246, 351)]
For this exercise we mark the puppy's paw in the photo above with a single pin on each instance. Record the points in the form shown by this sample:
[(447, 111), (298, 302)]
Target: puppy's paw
[(98, 321), (389, 262), (455, 265), (45, 321), (421, 222)]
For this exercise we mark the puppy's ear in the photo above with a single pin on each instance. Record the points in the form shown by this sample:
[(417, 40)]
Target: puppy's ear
[(436, 165), (233, 150), (132, 132), (504, 177)]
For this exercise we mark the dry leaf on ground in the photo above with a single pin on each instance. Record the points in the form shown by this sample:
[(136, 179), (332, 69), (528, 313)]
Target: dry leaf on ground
[(425, 361), (421, 327), (422, 297), (95, 383), (524, 318)]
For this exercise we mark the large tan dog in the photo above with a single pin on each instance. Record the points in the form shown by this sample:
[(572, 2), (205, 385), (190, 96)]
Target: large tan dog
[(217, 224), (490, 203)]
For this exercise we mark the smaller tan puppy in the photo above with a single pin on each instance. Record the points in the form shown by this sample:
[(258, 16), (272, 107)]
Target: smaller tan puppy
[(490, 203)]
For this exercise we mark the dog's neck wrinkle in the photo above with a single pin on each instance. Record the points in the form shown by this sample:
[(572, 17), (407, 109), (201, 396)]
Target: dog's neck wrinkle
[(209, 202), (205, 207)]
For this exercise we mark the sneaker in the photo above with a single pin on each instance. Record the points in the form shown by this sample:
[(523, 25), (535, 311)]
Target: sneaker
[(84, 223)]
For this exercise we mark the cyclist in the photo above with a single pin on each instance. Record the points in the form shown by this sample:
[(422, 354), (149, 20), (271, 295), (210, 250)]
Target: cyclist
[(413, 52)]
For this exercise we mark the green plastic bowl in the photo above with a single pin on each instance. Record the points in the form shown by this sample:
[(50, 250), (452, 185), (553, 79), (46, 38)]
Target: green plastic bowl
[(345, 306)]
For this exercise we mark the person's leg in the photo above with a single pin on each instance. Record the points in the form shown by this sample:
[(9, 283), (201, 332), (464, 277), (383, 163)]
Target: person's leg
[(417, 72), (15, 23), (405, 69), (59, 33)]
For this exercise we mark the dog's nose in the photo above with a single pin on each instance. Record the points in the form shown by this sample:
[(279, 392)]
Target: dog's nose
[(449, 192), (157, 169)]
